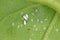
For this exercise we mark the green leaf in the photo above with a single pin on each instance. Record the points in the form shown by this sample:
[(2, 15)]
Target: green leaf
[(55, 4), (28, 20)]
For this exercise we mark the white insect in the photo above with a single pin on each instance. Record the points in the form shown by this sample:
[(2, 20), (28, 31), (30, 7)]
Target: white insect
[(25, 16), (24, 22)]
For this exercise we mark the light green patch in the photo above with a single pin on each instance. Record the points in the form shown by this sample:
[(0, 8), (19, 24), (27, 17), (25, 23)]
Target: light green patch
[(42, 24)]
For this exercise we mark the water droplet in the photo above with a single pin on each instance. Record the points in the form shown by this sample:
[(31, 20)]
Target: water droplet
[(24, 22)]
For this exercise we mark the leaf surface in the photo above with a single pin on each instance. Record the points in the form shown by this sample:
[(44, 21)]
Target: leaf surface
[(42, 23)]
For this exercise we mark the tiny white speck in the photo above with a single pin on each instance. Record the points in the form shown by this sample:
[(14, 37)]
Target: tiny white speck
[(36, 29), (25, 16), (31, 20), (41, 21), (34, 26), (57, 30), (12, 24), (24, 22)]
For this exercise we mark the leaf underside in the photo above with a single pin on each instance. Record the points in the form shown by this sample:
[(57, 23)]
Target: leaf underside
[(42, 24)]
